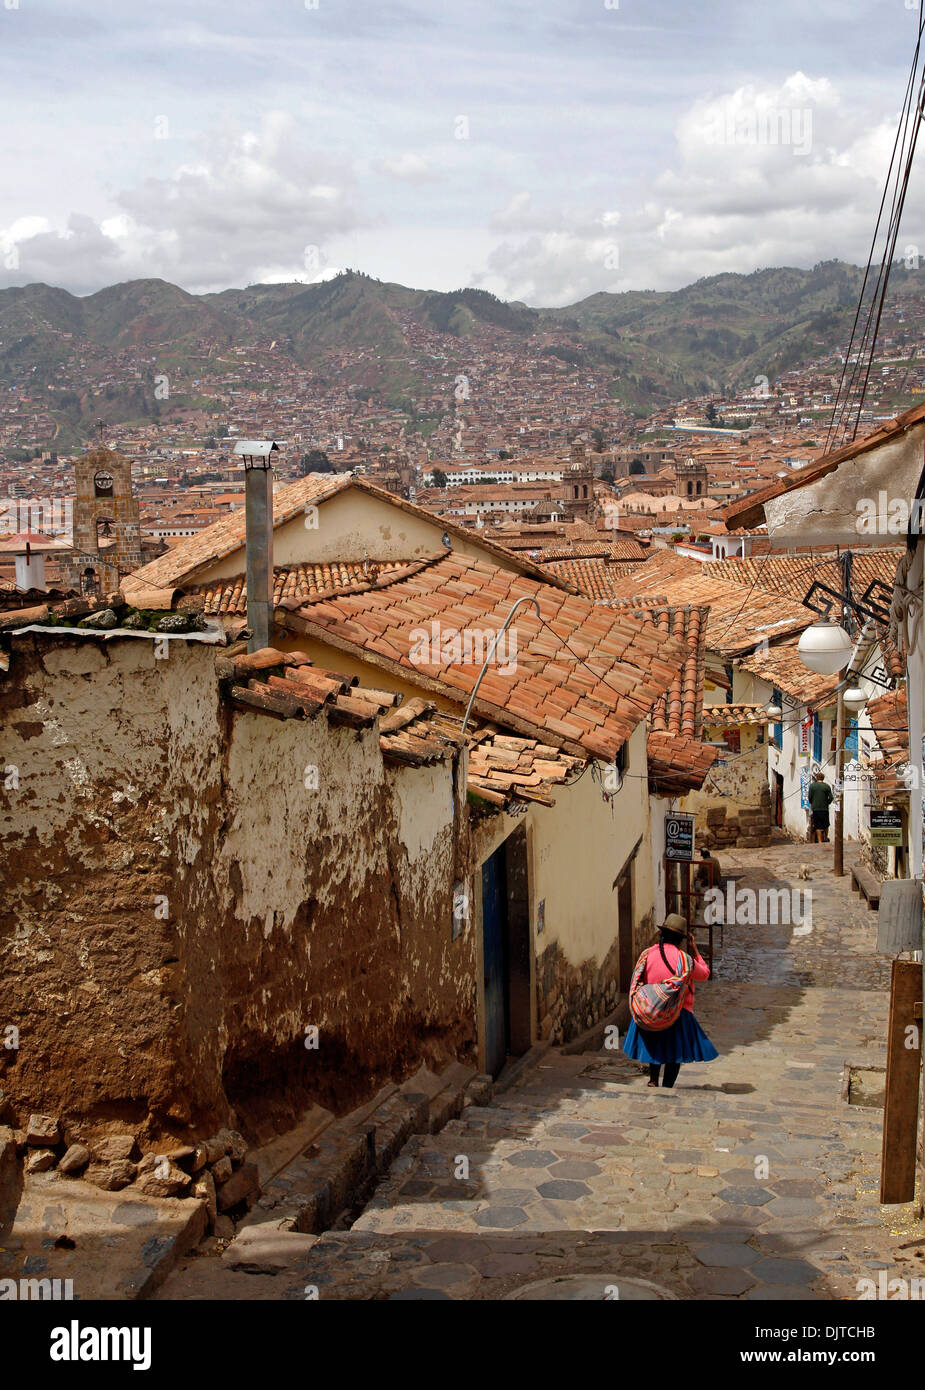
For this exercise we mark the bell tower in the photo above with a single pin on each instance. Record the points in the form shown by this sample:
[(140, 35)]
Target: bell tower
[(107, 528), (693, 479), (578, 483)]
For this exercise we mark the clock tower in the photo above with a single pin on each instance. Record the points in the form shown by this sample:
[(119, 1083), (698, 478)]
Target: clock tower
[(107, 529)]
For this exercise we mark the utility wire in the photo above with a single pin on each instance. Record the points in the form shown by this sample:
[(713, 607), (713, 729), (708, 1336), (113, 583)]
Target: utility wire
[(855, 379)]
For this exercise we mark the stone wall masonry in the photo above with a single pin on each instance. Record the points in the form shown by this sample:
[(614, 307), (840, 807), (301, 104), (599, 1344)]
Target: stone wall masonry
[(180, 909), (736, 807), (570, 998)]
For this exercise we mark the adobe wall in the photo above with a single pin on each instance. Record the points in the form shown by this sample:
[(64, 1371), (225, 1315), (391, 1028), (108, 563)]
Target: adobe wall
[(179, 906)]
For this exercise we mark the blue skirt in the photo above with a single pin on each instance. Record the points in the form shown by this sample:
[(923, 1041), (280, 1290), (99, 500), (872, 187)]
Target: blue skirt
[(684, 1041)]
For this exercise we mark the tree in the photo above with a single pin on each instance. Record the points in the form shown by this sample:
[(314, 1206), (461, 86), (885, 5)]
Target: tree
[(315, 461), (711, 413), (439, 477), (598, 436), (503, 454)]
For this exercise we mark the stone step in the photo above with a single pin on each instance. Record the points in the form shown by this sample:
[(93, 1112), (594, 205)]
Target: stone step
[(112, 1245)]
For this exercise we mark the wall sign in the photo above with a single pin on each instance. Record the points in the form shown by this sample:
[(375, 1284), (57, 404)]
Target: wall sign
[(679, 837), (886, 828)]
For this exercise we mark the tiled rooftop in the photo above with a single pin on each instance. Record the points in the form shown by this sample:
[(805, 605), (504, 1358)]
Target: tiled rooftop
[(595, 577), (793, 574), (503, 767), (582, 678), (782, 667), (678, 711), (740, 617), (889, 718), (229, 596), (678, 763), (731, 715)]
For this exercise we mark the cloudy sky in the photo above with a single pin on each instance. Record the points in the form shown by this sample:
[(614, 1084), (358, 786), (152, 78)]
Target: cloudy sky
[(541, 149)]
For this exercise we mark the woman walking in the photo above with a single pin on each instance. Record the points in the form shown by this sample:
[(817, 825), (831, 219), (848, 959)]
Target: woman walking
[(684, 1040)]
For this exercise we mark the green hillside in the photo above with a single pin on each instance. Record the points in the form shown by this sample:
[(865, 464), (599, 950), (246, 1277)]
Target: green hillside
[(652, 347)]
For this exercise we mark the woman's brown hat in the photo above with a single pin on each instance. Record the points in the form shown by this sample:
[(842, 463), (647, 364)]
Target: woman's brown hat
[(676, 923)]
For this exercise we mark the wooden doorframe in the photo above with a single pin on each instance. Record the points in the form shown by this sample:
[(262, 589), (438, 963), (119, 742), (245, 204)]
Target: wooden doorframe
[(520, 963)]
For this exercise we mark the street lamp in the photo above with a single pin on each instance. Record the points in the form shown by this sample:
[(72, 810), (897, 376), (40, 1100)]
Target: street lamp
[(854, 699), (824, 648)]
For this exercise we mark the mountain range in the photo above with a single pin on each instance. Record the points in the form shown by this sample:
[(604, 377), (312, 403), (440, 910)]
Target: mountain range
[(651, 346)]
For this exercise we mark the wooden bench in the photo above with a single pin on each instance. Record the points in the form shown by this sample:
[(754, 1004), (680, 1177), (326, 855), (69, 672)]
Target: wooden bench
[(867, 884)]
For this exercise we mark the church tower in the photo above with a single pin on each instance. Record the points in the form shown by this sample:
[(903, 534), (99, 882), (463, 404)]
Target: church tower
[(578, 483), (693, 479), (107, 527)]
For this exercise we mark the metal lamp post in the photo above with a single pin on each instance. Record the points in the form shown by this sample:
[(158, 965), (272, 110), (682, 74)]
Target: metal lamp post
[(258, 510)]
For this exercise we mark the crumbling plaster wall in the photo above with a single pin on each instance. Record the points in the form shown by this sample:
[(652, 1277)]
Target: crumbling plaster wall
[(113, 755), (334, 883), (826, 512), (181, 903)]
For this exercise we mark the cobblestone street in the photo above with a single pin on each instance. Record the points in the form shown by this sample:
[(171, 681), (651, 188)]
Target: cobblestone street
[(754, 1178)]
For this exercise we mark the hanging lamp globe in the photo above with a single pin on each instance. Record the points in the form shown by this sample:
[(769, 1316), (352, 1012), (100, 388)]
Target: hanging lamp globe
[(824, 648), (854, 699), (774, 712)]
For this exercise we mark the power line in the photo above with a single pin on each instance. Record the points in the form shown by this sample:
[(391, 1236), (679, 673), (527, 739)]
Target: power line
[(898, 175)]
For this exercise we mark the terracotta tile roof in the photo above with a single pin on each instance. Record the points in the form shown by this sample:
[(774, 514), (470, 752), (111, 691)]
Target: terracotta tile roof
[(731, 715), (295, 582), (740, 617), (503, 768), (618, 550), (678, 763), (793, 574), (679, 710), (595, 576), (889, 719), (182, 562), (582, 678), (287, 685), (750, 510), (782, 667)]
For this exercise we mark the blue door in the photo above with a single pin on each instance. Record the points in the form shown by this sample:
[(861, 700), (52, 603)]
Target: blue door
[(851, 739), (494, 955), (817, 739)]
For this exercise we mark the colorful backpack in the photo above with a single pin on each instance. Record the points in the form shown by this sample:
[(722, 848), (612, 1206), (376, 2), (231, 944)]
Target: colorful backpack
[(657, 1006)]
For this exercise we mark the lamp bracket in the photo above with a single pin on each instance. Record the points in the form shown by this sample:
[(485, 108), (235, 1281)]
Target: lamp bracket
[(871, 607)]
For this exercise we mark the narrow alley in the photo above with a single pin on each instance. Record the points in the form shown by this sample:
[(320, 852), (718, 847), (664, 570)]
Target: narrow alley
[(755, 1178)]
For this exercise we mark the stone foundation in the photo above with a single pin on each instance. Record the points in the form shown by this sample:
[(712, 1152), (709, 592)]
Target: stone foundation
[(746, 827), (572, 998)]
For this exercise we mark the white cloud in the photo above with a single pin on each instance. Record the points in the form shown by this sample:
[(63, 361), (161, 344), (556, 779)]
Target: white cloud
[(410, 168), (256, 197), (762, 175)]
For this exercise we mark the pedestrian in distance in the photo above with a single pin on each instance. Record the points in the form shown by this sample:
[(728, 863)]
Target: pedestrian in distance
[(662, 997), (820, 798)]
